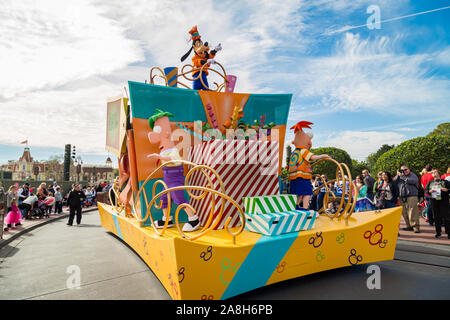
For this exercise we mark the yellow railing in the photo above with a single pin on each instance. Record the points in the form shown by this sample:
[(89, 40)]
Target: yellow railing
[(343, 176), (115, 190), (210, 223), (342, 172), (184, 74)]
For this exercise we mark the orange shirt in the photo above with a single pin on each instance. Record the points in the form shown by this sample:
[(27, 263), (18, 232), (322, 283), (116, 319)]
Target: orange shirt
[(299, 166), (197, 62)]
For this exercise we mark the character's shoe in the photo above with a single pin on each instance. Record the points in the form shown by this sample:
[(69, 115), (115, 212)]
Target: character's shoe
[(159, 224), (416, 231), (6, 229), (437, 236), (191, 225), (408, 229)]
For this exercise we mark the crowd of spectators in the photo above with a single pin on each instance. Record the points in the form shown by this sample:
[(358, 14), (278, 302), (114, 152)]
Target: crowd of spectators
[(24, 202), (405, 189)]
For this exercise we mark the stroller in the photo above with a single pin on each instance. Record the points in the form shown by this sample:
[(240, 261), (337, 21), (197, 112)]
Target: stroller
[(41, 210)]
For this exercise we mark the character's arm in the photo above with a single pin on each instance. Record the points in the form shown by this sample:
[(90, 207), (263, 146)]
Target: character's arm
[(214, 51), (319, 156), (160, 157)]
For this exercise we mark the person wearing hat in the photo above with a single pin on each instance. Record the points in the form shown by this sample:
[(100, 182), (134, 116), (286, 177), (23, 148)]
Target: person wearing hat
[(202, 56), (172, 173)]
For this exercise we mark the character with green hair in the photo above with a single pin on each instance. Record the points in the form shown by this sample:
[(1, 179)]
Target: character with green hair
[(172, 173)]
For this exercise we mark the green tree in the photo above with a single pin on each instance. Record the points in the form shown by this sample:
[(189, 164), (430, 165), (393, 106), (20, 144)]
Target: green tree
[(328, 167), (443, 129), (416, 153), (358, 167), (373, 157)]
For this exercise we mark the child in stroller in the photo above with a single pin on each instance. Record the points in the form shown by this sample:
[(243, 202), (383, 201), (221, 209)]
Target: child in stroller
[(40, 211), (50, 202)]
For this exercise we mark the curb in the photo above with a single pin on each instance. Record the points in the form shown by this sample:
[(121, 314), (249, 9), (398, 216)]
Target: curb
[(423, 247), (44, 222)]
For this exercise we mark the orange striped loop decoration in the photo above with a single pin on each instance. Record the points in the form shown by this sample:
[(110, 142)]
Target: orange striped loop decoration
[(171, 76), (212, 116)]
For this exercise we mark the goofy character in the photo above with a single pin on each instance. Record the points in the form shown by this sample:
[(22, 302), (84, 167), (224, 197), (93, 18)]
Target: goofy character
[(173, 173), (202, 56), (300, 173)]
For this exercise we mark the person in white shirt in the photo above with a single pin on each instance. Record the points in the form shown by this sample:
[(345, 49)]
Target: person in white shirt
[(28, 204)]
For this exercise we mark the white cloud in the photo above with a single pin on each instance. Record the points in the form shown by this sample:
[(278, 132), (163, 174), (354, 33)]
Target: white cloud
[(360, 144), (50, 43), (369, 75), (56, 117), (248, 32)]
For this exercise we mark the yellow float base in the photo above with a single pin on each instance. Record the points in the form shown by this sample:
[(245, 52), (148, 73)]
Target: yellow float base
[(212, 267)]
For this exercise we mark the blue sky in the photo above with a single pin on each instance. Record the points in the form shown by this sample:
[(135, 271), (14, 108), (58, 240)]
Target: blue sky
[(361, 88)]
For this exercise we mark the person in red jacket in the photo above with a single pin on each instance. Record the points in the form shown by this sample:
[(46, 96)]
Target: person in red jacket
[(427, 177), (445, 175)]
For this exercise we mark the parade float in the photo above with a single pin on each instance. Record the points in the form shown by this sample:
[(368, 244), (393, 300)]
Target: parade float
[(229, 148)]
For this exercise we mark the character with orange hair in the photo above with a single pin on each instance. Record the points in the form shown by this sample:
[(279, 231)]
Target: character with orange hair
[(202, 56), (300, 173)]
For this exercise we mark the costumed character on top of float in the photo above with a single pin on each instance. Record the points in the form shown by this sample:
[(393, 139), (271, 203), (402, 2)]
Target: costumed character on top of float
[(300, 172), (173, 173), (202, 56)]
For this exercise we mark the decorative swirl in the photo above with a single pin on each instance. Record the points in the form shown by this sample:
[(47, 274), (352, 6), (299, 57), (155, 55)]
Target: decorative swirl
[(192, 70), (162, 76), (349, 208), (115, 189), (204, 191)]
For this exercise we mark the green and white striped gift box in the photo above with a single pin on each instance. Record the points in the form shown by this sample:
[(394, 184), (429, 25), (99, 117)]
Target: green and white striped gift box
[(270, 204), (273, 224)]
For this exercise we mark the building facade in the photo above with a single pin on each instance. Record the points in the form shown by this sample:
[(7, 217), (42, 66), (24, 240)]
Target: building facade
[(26, 168)]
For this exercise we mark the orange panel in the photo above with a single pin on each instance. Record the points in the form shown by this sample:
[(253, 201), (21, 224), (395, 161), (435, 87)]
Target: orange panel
[(222, 104), (132, 161)]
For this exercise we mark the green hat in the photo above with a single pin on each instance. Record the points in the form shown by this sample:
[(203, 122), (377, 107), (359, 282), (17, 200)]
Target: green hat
[(158, 114)]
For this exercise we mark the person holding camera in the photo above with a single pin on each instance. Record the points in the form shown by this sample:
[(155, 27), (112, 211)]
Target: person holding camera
[(408, 191)]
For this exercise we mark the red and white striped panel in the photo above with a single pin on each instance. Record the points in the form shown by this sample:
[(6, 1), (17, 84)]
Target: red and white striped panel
[(247, 169)]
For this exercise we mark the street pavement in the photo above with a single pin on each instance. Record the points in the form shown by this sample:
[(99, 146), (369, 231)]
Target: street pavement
[(34, 265), (38, 264)]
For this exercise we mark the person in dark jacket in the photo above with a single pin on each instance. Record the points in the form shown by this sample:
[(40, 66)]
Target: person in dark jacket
[(438, 190), (408, 190), (369, 183), (74, 201)]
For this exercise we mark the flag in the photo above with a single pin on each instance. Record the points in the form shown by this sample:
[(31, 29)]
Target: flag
[(24, 142)]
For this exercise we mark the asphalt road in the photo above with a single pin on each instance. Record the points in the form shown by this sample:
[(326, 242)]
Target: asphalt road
[(41, 264)]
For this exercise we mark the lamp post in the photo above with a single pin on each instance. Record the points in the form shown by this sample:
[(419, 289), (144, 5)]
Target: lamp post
[(78, 163)]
